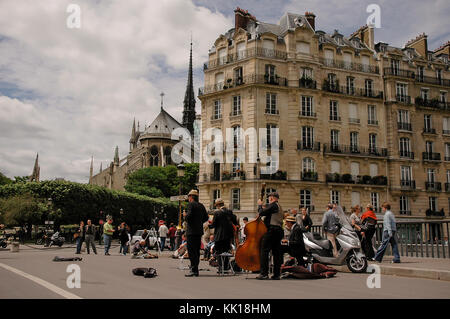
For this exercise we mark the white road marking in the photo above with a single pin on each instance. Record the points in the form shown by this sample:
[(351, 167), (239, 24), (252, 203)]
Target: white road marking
[(42, 282)]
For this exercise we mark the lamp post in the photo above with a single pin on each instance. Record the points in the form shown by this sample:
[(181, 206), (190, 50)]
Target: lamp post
[(180, 174)]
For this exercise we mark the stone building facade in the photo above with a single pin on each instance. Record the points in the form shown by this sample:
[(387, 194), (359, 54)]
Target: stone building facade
[(331, 97)]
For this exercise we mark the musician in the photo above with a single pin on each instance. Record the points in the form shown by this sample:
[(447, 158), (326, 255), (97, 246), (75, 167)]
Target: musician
[(223, 222), (195, 216), (295, 243), (271, 241)]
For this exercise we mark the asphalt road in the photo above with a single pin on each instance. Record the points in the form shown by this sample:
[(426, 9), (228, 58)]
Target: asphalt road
[(111, 277)]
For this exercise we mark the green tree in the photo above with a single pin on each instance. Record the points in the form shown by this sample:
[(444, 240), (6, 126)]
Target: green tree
[(23, 210), (21, 179), (4, 180)]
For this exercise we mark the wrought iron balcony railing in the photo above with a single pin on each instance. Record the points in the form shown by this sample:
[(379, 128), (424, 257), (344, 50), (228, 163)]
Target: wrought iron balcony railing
[(406, 154), (310, 176), (427, 156), (433, 186), (308, 146), (403, 99), (348, 90), (407, 184), (307, 114), (399, 72), (404, 126), (429, 130), (431, 80), (355, 150), (349, 66), (307, 83)]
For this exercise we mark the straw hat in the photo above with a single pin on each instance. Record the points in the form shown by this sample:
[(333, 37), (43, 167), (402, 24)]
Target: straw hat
[(219, 201), (290, 219), (193, 192)]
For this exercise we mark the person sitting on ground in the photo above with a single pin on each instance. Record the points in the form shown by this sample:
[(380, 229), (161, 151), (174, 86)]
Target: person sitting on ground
[(295, 243), (209, 248), (182, 250)]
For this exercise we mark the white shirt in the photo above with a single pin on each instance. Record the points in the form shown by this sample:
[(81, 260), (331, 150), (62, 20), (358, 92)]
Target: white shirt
[(163, 231)]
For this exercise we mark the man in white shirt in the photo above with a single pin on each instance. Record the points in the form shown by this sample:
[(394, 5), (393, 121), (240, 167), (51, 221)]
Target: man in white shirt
[(163, 231)]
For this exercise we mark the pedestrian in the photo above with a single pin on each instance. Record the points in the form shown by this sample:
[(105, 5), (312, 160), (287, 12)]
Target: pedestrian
[(304, 220), (294, 244), (80, 234), (330, 225), (369, 222), (195, 216), (271, 241), (222, 223), (163, 231), (389, 235), (356, 221), (90, 236), (242, 229), (108, 230), (123, 238), (172, 236), (145, 236)]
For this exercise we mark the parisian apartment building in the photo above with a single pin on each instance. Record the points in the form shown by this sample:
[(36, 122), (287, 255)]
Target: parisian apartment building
[(358, 122)]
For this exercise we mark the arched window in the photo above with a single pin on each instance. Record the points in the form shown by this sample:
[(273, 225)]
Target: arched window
[(167, 155), (306, 199), (237, 167), (309, 165), (154, 156)]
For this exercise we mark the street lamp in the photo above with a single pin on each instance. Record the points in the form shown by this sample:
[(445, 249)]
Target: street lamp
[(180, 174)]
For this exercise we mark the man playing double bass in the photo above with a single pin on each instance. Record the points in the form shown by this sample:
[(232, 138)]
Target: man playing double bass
[(271, 241), (223, 222)]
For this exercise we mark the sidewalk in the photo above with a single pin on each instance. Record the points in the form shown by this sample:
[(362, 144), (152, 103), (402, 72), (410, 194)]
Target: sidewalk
[(428, 268)]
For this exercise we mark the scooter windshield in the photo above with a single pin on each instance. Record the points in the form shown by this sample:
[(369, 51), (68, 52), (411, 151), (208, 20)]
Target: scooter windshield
[(343, 219)]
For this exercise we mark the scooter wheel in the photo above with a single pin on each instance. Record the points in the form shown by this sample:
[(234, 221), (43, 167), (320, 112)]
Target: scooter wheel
[(357, 265)]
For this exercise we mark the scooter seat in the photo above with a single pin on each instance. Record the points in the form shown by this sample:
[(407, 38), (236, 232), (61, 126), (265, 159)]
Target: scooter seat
[(324, 243)]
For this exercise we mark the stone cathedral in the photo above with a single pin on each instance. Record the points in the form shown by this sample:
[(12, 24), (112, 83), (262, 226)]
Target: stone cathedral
[(150, 147)]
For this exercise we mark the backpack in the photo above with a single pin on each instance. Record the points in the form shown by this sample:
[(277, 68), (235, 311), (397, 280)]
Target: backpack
[(146, 272)]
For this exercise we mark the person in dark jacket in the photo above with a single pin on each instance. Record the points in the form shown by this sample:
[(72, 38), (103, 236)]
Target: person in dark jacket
[(305, 220), (296, 245), (195, 216), (124, 239), (80, 237), (369, 223), (223, 222), (271, 241)]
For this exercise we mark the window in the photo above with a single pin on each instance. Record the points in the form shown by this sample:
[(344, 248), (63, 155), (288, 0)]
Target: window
[(375, 201), (447, 152), (332, 81), (405, 173), (238, 76), (334, 111), (448, 176), (424, 94), (354, 142), (268, 45), (270, 75), (439, 75), (154, 156), (241, 52), (236, 105), (335, 167), (404, 205), (365, 63), (431, 175), (329, 56), (427, 122), (368, 87), (222, 56), (305, 199), (405, 147), (306, 73), (353, 113), (432, 204), (269, 128), (334, 139), (307, 106), (350, 85), (335, 197), (401, 92), (219, 77), (356, 199), (403, 116), (307, 137), (236, 198), (167, 155), (420, 73), (216, 195), (237, 136), (446, 125), (372, 143), (354, 168), (271, 103), (303, 47), (372, 115), (395, 66), (347, 60), (272, 164), (237, 167), (217, 110), (373, 169), (443, 96), (309, 165)]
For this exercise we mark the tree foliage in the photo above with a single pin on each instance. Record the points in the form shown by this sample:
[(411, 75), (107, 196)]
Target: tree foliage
[(162, 181), (22, 210), (4, 180)]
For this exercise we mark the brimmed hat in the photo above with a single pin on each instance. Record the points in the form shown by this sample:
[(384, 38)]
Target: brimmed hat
[(291, 219), (219, 201), (274, 194), (193, 192)]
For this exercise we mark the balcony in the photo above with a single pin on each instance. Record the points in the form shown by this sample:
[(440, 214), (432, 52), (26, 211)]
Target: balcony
[(309, 176), (307, 83), (379, 180), (429, 130), (335, 118), (431, 213), (236, 175), (216, 117), (349, 66), (308, 146), (445, 132), (399, 73), (271, 112), (447, 187), (404, 126), (407, 184), (244, 54), (427, 156), (405, 99), (353, 121), (372, 122), (278, 176), (432, 103), (237, 113), (236, 82), (355, 150), (433, 186), (406, 154), (431, 80), (447, 158), (348, 90), (307, 114)]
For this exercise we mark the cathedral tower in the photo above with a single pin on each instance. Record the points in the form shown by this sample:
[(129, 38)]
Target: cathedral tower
[(189, 100)]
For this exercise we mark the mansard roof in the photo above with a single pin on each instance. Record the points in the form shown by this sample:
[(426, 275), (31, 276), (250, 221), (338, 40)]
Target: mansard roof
[(162, 126)]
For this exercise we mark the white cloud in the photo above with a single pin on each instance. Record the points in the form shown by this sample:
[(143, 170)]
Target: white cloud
[(79, 89)]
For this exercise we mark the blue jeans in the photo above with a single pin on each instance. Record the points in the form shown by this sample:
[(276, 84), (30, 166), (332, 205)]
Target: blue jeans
[(107, 241), (79, 243), (163, 242), (382, 249), (123, 249)]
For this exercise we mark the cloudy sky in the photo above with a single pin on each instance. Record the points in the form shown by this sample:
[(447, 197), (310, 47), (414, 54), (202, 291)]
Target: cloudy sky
[(68, 94)]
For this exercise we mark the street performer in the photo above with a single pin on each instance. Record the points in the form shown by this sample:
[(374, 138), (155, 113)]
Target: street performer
[(195, 216), (223, 222), (271, 241)]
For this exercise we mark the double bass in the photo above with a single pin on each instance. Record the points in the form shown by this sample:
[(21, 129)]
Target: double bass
[(248, 253)]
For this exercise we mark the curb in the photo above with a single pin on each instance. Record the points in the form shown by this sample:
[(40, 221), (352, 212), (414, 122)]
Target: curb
[(407, 272)]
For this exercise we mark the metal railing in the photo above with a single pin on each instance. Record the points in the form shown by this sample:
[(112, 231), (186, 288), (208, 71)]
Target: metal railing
[(338, 64), (407, 184), (403, 99), (355, 150), (399, 72), (348, 90), (406, 154), (404, 126), (308, 146), (431, 156), (433, 186), (431, 80), (421, 239)]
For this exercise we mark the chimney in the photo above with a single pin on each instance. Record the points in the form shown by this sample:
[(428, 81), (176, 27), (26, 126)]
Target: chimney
[(311, 17), (241, 18), (420, 44)]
